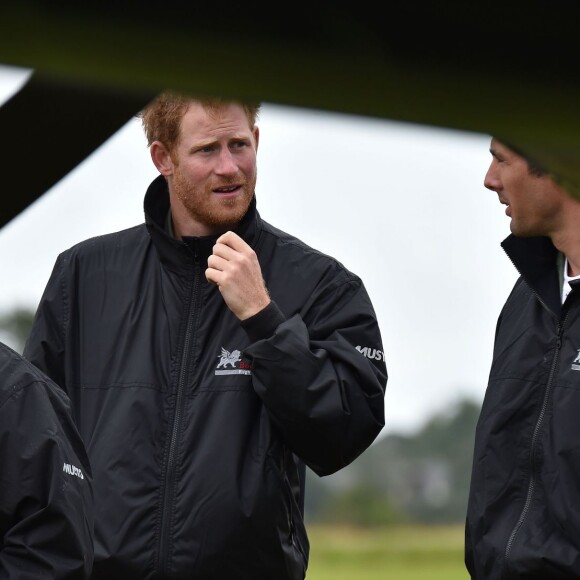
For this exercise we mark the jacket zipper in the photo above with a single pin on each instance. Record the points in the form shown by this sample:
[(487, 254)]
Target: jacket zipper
[(168, 493), (539, 422)]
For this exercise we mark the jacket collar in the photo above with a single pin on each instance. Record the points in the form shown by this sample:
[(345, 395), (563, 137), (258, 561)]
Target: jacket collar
[(178, 254), (536, 259)]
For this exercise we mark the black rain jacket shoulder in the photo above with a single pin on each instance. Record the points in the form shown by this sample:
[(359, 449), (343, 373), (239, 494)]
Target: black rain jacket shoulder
[(46, 501), (523, 518), (198, 426)]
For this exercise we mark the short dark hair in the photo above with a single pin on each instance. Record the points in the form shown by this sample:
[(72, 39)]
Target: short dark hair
[(534, 167)]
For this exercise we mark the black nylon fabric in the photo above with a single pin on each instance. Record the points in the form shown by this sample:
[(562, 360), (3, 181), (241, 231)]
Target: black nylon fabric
[(523, 518), (46, 501), (198, 434)]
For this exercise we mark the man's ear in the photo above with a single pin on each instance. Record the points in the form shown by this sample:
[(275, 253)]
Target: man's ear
[(256, 136), (161, 158)]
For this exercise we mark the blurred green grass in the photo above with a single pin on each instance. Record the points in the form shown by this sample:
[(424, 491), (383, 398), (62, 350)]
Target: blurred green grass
[(392, 553)]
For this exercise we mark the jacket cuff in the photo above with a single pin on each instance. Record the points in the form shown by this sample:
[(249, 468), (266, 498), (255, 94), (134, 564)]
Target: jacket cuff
[(264, 323)]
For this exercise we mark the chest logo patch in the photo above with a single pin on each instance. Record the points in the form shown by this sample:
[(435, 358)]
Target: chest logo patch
[(576, 362), (231, 363)]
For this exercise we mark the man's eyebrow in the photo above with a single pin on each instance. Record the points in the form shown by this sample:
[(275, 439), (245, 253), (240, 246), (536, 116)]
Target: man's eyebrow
[(202, 144)]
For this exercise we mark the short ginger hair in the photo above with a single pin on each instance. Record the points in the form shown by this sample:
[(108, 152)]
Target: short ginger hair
[(161, 118)]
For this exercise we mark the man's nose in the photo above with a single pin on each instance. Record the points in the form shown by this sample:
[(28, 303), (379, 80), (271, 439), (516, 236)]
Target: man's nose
[(226, 163), (491, 180)]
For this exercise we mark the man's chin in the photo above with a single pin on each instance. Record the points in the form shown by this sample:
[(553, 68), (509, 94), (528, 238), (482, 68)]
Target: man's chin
[(522, 232), (226, 220)]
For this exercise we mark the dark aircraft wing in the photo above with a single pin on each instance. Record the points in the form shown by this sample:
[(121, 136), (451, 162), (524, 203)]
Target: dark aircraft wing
[(507, 69), (48, 128)]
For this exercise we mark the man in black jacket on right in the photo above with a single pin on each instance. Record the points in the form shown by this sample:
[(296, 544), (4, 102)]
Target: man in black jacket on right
[(209, 358), (523, 517)]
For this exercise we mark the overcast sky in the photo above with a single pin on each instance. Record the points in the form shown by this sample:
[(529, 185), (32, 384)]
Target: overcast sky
[(403, 206)]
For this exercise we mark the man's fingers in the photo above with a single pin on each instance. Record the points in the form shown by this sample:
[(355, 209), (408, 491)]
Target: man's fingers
[(215, 268), (211, 275), (232, 248), (217, 262), (233, 241), (224, 251)]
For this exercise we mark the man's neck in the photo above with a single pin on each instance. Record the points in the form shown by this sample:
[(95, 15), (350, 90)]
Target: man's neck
[(183, 225), (569, 244), (573, 266)]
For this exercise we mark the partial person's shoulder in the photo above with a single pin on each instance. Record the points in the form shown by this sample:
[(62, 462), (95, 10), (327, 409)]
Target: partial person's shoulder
[(16, 373)]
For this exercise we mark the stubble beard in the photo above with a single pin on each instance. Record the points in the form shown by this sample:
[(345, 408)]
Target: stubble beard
[(206, 208)]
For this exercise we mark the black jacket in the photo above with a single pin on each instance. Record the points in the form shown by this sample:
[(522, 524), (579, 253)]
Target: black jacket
[(523, 517), (46, 501), (194, 422)]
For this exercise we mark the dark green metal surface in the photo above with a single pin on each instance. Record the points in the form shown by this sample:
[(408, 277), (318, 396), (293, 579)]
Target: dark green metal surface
[(509, 70)]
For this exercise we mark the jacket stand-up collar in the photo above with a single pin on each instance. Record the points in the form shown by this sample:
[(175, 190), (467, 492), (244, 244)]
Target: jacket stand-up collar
[(536, 259), (178, 254)]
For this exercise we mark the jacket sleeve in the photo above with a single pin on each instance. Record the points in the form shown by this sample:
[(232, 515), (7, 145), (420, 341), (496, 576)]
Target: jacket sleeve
[(46, 499), (45, 344), (322, 375)]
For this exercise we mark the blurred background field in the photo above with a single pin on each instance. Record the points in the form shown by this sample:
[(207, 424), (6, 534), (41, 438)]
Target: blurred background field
[(400, 552)]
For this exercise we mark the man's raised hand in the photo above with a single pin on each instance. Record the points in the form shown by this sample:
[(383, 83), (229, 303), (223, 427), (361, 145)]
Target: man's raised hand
[(234, 268)]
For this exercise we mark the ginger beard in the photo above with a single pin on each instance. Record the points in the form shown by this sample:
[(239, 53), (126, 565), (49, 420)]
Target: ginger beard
[(206, 207)]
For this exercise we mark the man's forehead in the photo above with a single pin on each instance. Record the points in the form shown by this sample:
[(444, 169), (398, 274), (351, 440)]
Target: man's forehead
[(201, 117), (497, 144)]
